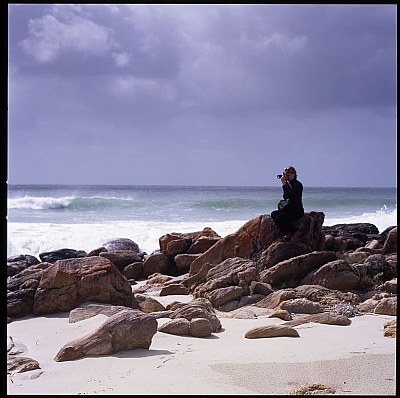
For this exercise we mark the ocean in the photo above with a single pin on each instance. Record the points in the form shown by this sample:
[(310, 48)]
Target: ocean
[(42, 218)]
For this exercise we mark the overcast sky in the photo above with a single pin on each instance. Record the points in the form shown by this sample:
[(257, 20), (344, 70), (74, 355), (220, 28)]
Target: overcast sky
[(202, 94)]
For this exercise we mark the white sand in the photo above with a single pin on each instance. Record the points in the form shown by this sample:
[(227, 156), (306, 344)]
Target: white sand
[(355, 359)]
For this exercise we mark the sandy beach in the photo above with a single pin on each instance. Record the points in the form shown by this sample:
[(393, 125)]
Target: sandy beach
[(353, 360)]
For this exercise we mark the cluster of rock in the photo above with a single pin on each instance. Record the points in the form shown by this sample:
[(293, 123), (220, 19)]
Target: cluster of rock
[(320, 274)]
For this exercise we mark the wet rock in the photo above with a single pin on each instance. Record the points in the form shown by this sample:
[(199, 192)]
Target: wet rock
[(61, 254)]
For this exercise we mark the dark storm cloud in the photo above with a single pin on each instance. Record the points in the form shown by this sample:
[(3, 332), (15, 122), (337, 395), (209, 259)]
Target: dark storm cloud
[(219, 80)]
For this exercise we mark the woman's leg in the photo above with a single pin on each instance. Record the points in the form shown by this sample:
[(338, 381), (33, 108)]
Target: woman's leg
[(282, 220)]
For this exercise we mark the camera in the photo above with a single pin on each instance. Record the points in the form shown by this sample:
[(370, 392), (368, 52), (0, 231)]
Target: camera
[(279, 176)]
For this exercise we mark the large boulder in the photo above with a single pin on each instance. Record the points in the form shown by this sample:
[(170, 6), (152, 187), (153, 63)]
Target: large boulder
[(21, 289), (69, 283), (327, 298), (233, 272), (337, 275), (257, 235), (290, 272), (121, 244), (126, 330), (198, 308), (280, 251)]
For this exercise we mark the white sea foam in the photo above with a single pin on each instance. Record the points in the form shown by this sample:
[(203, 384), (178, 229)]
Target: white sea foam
[(382, 218), (38, 203), (35, 238)]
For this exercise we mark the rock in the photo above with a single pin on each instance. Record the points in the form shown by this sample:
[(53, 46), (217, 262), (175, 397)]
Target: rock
[(309, 231), (221, 296), (202, 244), (121, 258), (327, 318), (280, 251), (355, 257), (20, 302), (312, 389), (390, 328), (33, 272), (61, 254), (96, 252), (248, 312), (147, 304), (376, 266), (68, 283), (260, 288), (257, 235), (281, 314), (319, 294), (334, 244), (156, 263), (200, 327), (175, 288), (390, 245), (15, 347), (178, 327), (89, 310), (16, 264), (235, 271), (338, 275), (184, 261), (290, 272), (22, 288), (352, 235), (373, 244), (124, 331), (174, 244), (387, 306), (271, 331), (121, 244), (133, 271), (301, 306), (390, 286), (254, 235), (17, 364), (198, 308), (158, 278)]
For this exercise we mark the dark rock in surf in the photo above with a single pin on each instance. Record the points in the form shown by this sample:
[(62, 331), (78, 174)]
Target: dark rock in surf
[(61, 254)]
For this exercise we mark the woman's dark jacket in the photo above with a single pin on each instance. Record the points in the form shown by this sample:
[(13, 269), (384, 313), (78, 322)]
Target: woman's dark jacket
[(293, 192)]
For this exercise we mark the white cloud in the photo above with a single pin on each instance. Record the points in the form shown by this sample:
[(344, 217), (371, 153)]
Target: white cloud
[(121, 59), (133, 87), (287, 45), (50, 37)]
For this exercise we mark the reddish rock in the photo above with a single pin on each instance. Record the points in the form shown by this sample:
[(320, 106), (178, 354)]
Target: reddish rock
[(257, 235), (69, 283), (290, 272), (338, 275), (390, 245)]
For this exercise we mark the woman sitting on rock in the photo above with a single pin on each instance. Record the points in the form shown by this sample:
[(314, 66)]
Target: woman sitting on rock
[(293, 209)]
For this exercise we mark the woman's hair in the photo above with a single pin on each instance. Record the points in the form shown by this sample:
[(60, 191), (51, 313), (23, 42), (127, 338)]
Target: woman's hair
[(292, 169)]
